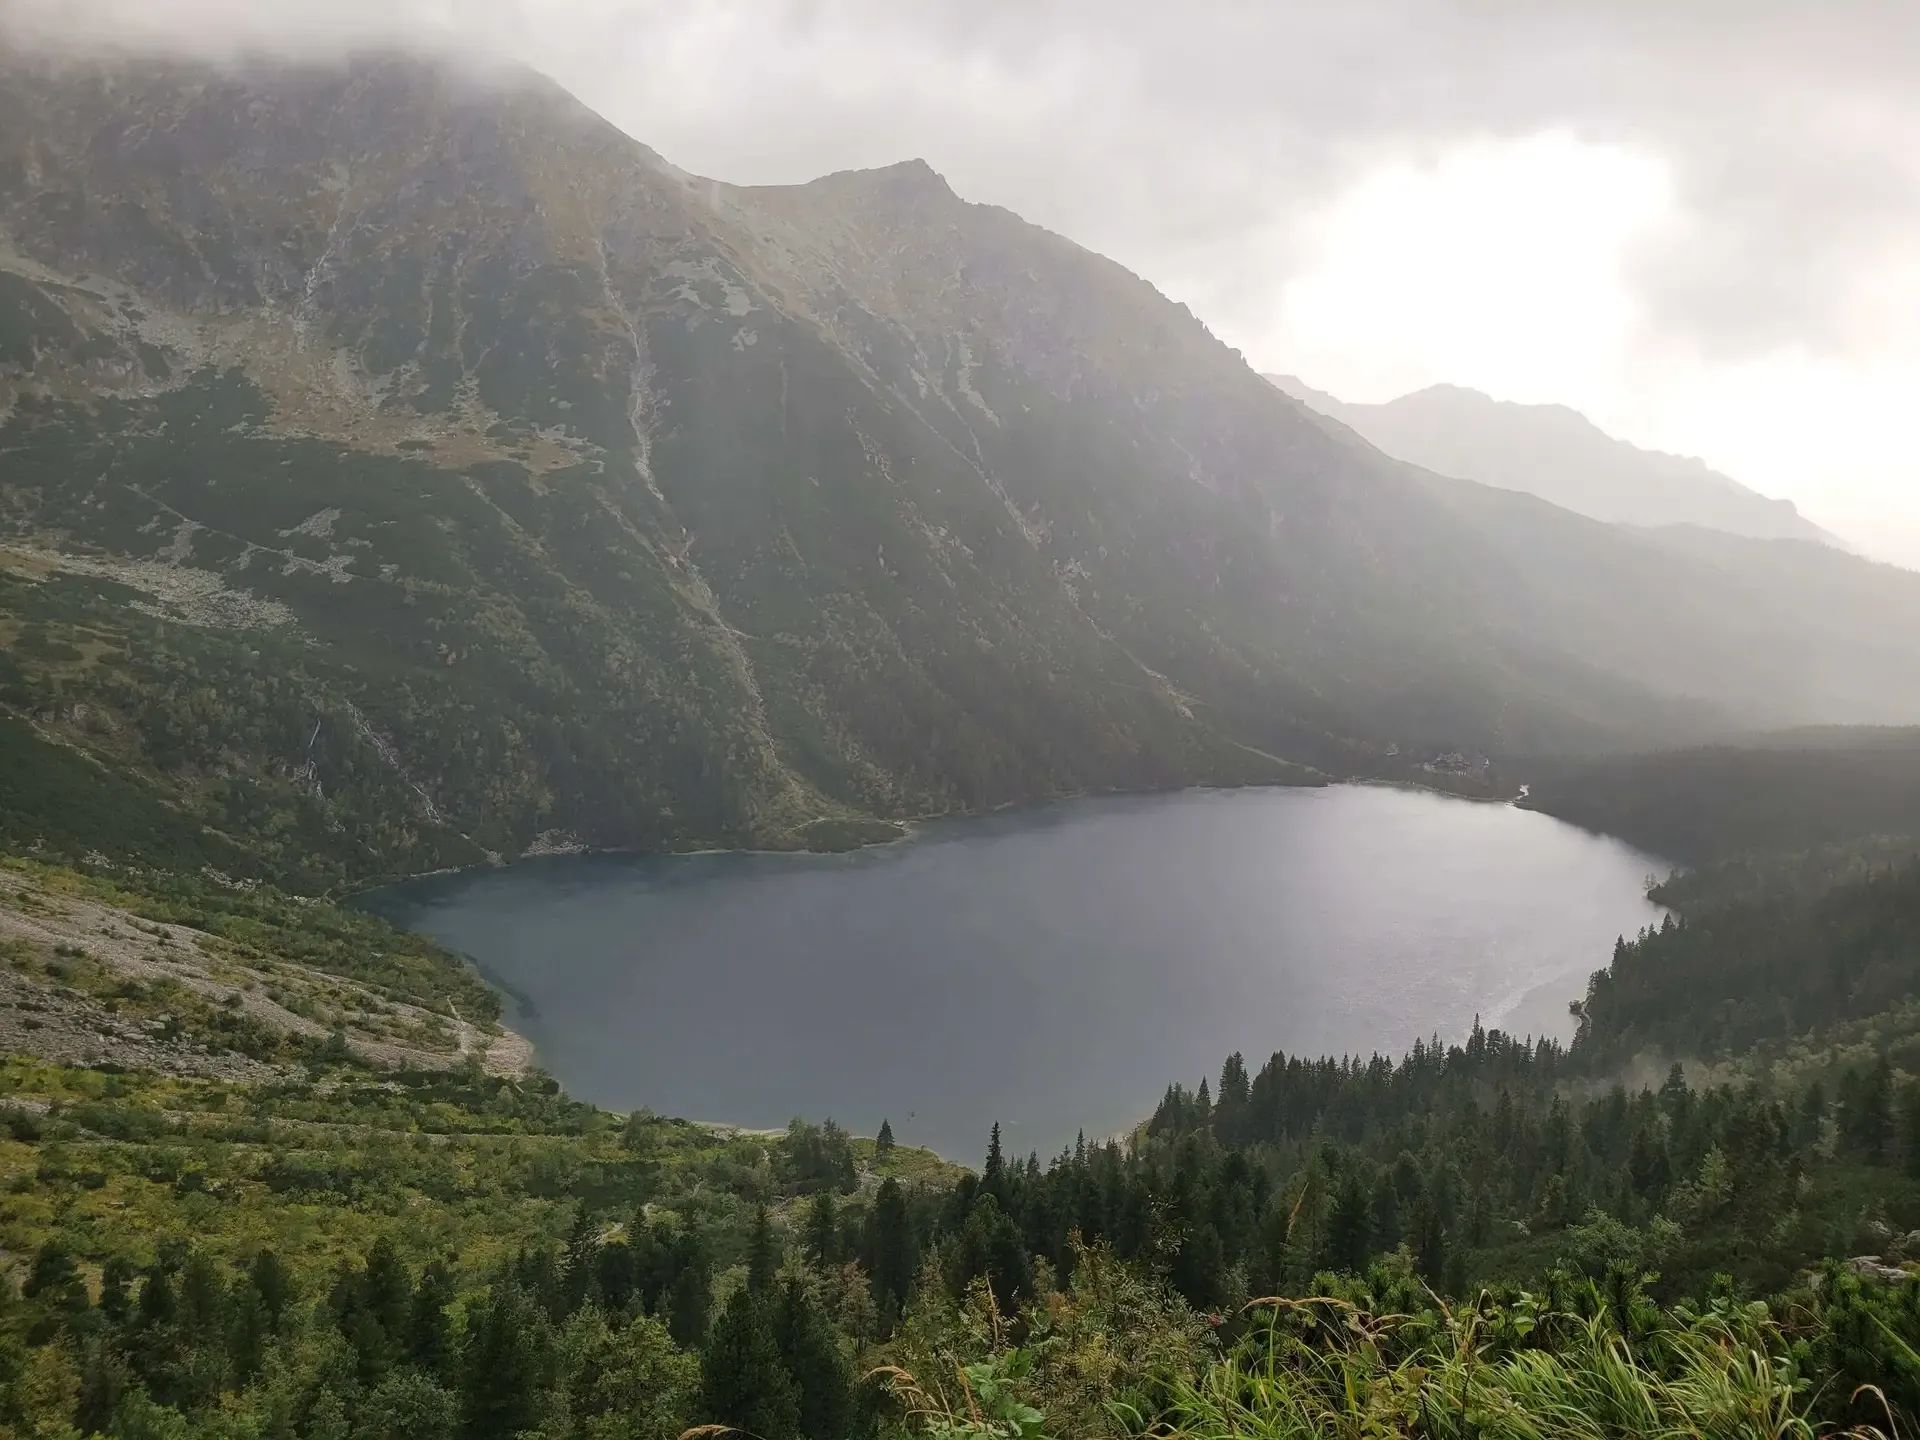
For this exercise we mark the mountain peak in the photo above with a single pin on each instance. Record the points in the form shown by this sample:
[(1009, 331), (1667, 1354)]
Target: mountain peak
[(1560, 455), (911, 179), (1465, 396), (914, 171), (1446, 388)]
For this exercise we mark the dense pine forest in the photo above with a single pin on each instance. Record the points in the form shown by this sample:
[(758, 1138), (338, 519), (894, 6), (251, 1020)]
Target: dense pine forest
[(1697, 1215), (1776, 794)]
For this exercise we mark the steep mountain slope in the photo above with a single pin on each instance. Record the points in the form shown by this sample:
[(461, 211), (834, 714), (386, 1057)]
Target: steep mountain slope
[(400, 467), (1561, 456)]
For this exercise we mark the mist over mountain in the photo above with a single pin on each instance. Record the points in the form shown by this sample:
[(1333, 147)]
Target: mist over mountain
[(1561, 456), (431, 460)]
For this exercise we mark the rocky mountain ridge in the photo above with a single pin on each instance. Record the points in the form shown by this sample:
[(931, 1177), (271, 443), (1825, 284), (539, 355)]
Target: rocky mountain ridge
[(401, 469), (1561, 456)]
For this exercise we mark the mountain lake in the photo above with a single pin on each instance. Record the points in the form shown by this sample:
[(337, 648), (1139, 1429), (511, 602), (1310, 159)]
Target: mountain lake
[(1051, 969)]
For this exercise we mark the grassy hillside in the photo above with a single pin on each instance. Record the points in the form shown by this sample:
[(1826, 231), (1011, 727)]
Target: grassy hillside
[(206, 1258)]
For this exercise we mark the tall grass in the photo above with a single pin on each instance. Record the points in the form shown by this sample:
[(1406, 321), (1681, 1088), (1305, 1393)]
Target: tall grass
[(1587, 1360), (1326, 1369)]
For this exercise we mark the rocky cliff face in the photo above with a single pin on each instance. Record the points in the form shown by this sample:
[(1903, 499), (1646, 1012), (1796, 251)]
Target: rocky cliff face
[(403, 466)]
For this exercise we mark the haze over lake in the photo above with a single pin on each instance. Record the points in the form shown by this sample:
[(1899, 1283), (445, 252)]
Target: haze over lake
[(1053, 969)]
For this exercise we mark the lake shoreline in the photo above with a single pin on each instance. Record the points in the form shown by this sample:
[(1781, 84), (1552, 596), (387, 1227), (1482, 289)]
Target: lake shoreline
[(910, 828), (1117, 936)]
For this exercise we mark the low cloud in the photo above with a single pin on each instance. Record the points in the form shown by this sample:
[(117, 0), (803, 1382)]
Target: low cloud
[(1189, 140), (1212, 146)]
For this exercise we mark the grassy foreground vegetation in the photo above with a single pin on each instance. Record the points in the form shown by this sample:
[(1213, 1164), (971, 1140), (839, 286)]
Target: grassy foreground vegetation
[(1492, 1238), (469, 1256), (393, 1253)]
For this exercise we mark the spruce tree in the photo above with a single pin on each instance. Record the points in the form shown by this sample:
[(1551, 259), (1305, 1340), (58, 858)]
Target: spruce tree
[(1866, 1120), (1811, 1121), (615, 1276), (658, 1255), (1649, 1169), (1383, 1210), (54, 1280), (372, 1354), (247, 1342), (688, 1300), (583, 1243), (822, 1381), (763, 1254), (1430, 1237), (836, 1155), (370, 1308), (539, 1273), (205, 1315), (271, 1279), (890, 1252), (1229, 1107), (116, 1296), (993, 1176), (103, 1380), (1909, 1133), (153, 1335), (1876, 1117), (429, 1335), (682, 1268), (883, 1143), (1349, 1235), (744, 1381), (506, 1364), (991, 1245), (386, 1290), (823, 1231)]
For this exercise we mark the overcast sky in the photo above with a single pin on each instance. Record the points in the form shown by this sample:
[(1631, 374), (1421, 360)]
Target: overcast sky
[(1698, 221)]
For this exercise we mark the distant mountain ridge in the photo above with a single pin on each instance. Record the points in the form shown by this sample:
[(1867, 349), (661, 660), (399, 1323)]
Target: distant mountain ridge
[(1563, 457)]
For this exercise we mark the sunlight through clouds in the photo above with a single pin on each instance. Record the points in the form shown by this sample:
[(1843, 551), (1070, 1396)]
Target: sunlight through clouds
[(1499, 267), (1506, 266), (1835, 435)]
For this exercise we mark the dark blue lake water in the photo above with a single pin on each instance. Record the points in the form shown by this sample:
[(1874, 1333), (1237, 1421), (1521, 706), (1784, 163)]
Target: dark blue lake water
[(1052, 970)]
